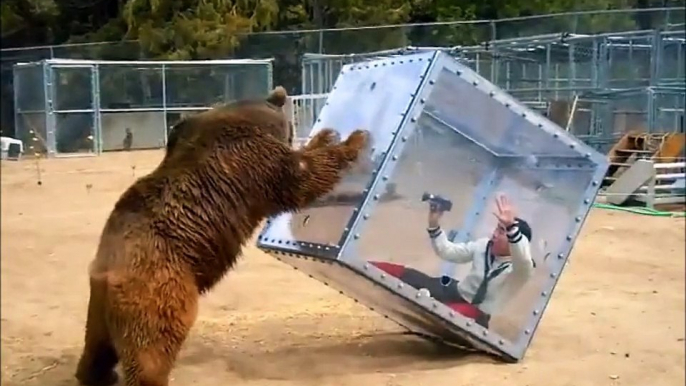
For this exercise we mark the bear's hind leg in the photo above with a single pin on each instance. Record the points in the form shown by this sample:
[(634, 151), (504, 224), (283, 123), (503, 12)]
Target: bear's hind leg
[(97, 362), (151, 330)]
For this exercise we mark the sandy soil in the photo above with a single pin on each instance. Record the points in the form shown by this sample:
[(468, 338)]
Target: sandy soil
[(617, 317)]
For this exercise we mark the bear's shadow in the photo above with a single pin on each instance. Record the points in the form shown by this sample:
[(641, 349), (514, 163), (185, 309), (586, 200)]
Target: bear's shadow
[(378, 353), (391, 353)]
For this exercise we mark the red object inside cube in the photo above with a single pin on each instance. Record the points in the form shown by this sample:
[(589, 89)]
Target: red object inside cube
[(396, 270)]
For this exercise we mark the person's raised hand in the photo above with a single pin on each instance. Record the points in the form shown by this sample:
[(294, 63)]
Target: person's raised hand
[(505, 211), (434, 216)]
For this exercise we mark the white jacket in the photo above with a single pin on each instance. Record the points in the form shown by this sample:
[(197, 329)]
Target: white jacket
[(508, 274)]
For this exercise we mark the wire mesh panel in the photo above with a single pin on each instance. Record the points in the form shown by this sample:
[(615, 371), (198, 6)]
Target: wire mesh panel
[(73, 108), (30, 107), (91, 106), (132, 103), (669, 106)]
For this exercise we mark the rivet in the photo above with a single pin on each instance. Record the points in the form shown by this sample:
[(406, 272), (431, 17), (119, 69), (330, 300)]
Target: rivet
[(469, 324), (569, 238), (572, 146), (413, 119), (485, 333), (404, 139), (385, 178), (383, 276), (523, 115), (400, 285), (458, 72), (476, 82), (501, 342), (357, 236), (434, 305), (544, 294), (366, 216), (535, 312), (422, 100), (395, 158), (560, 256), (366, 266), (527, 332), (577, 219), (594, 183), (491, 94), (587, 155), (432, 81), (452, 314), (587, 201), (556, 135), (540, 125), (553, 275), (376, 196)]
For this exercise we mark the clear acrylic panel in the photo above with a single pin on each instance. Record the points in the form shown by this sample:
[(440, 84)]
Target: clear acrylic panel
[(493, 125), (471, 143), (72, 87), (74, 133), (374, 98), (547, 198), (436, 160)]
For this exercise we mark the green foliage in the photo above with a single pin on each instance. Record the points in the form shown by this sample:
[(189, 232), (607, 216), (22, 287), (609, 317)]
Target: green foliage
[(188, 29), (200, 29)]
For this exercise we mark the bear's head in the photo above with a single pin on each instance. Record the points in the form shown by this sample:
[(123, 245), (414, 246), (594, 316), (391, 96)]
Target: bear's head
[(266, 114)]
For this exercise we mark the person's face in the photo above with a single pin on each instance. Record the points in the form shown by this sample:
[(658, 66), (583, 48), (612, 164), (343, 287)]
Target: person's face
[(501, 246)]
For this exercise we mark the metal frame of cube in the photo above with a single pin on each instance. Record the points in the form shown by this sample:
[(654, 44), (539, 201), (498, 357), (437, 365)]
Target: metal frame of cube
[(389, 295)]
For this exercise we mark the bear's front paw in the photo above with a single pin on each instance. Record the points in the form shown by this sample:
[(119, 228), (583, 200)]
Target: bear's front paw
[(325, 137), (358, 140)]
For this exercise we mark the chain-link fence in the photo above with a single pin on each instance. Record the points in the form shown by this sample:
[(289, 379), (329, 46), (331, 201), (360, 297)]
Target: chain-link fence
[(291, 49), (87, 107)]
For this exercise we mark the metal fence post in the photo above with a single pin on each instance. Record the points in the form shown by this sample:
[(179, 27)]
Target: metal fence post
[(164, 103), (97, 124), (49, 93), (16, 87)]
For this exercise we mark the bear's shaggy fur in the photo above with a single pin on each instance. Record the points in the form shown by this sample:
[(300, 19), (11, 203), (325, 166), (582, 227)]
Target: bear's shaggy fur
[(175, 233)]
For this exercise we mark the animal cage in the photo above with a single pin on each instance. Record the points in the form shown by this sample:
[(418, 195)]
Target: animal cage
[(66, 107)]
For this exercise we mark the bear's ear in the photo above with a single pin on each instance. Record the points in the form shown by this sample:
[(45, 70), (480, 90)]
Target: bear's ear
[(278, 96)]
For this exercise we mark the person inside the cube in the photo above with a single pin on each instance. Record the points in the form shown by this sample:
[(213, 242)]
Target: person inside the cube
[(501, 265)]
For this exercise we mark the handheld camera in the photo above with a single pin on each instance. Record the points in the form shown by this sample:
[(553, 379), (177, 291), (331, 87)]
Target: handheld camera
[(437, 202)]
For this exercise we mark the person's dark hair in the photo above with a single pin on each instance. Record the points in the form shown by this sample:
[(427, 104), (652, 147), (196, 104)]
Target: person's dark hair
[(523, 227)]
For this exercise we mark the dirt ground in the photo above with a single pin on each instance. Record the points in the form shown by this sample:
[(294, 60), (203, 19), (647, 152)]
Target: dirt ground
[(616, 318)]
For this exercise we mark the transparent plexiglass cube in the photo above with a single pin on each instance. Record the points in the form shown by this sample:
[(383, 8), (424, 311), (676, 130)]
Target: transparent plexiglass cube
[(442, 137)]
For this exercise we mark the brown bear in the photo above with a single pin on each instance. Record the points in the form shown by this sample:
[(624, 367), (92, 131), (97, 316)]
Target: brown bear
[(176, 232)]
